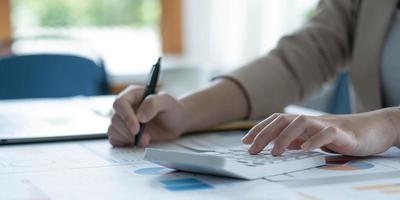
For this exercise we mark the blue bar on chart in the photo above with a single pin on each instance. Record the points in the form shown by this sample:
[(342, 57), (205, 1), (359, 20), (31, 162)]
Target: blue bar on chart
[(185, 184)]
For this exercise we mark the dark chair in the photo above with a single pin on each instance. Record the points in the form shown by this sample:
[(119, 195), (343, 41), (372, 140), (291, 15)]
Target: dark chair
[(51, 75)]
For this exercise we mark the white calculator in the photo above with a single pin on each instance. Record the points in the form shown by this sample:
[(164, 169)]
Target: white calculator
[(236, 162)]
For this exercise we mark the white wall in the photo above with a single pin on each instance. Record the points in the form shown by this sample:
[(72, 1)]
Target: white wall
[(227, 33)]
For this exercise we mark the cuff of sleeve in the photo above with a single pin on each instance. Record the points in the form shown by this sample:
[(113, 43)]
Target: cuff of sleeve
[(242, 89)]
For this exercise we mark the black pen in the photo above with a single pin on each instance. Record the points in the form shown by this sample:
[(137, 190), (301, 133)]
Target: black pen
[(150, 89)]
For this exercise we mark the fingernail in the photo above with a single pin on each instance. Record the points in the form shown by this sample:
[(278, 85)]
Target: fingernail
[(275, 150), (133, 129), (252, 149), (244, 140)]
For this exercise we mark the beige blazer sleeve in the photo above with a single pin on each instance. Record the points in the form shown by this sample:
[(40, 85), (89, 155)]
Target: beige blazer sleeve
[(302, 61)]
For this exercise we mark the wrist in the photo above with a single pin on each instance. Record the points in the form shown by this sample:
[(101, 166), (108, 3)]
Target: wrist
[(220, 102), (189, 121), (393, 118)]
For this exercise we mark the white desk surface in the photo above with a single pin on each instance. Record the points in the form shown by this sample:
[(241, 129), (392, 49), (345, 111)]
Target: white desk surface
[(95, 170), (92, 169)]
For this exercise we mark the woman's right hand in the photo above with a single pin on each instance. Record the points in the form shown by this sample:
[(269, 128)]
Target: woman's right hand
[(163, 115)]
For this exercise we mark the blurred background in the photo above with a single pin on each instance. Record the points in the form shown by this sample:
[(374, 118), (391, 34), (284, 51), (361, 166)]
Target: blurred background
[(197, 39)]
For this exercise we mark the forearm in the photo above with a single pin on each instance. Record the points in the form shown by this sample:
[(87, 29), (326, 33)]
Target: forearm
[(220, 102), (393, 116)]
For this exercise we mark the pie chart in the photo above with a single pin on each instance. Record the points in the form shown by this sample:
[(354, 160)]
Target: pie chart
[(153, 171), (345, 163)]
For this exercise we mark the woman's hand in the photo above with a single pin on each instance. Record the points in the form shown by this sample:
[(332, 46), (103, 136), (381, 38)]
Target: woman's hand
[(357, 135), (163, 114)]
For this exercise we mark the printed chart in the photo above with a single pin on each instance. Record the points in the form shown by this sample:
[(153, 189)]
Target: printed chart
[(153, 171), (341, 166), (173, 182), (384, 188), (345, 163), (185, 184), (381, 189)]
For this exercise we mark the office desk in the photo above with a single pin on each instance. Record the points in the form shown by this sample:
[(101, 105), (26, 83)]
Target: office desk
[(92, 169), (95, 170)]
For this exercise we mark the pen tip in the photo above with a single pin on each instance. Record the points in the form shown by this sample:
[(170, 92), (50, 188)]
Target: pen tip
[(159, 60)]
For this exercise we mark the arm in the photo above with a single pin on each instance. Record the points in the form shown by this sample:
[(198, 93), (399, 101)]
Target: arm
[(302, 61), (220, 102), (394, 119)]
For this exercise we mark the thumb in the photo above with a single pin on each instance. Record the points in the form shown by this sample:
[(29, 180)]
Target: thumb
[(150, 107)]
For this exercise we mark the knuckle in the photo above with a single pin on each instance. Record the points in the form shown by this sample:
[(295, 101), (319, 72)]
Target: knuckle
[(282, 119), (264, 133), (332, 131), (166, 96), (276, 114), (114, 119), (254, 130), (258, 127), (150, 102), (117, 103), (302, 119)]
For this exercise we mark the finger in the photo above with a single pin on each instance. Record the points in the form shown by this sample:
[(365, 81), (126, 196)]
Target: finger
[(145, 141), (324, 137), (153, 105), (296, 144), (125, 111), (121, 129), (333, 138), (269, 133), (249, 137), (126, 137), (294, 130), (133, 94), (115, 139)]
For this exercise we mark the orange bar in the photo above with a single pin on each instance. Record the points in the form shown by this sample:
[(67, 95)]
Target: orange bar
[(395, 191), (377, 187), (171, 26), (5, 20)]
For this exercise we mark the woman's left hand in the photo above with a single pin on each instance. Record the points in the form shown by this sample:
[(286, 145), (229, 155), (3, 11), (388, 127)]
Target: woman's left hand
[(356, 134)]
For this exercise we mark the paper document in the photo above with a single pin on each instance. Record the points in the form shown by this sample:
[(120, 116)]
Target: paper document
[(95, 170), (40, 118), (146, 181), (379, 189), (342, 166)]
